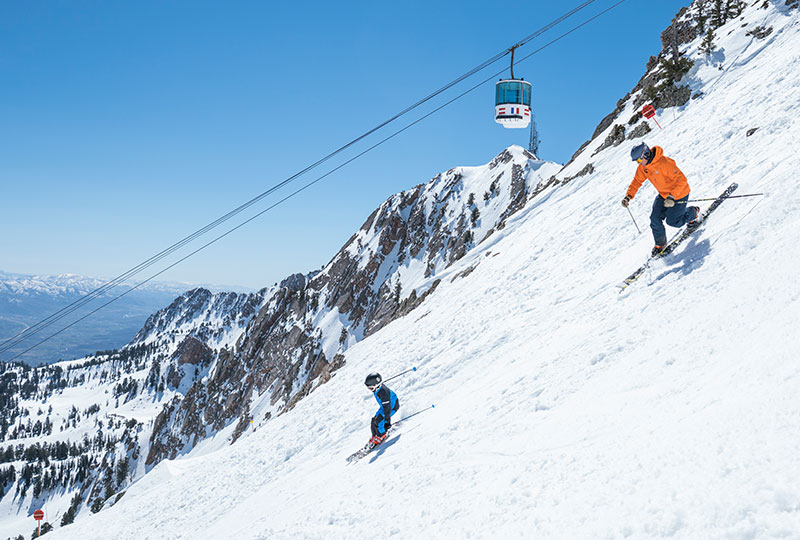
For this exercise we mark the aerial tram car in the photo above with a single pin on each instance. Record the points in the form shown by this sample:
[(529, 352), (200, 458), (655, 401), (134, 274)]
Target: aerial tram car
[(512, 103)]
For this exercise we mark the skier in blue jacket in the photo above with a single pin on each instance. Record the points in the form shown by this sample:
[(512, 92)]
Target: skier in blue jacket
[(389, 404)]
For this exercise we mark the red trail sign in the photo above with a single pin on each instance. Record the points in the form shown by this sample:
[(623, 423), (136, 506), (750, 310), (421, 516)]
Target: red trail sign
[(649, 112)]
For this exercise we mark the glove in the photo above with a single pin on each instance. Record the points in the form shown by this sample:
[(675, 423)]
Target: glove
[(669, 202), (388, 424), (626, 200)]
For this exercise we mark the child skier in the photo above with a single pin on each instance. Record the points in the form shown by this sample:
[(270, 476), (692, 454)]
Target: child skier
[(673, 192), (389, 404)]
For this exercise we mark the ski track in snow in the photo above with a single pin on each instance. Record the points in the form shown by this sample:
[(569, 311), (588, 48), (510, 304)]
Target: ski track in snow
[(564, 409)]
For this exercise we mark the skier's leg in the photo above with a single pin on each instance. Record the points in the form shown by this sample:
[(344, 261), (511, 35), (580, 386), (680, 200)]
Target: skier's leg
[(374, 424), (377, 426), (679, 215), (382, 426), (657, 221)]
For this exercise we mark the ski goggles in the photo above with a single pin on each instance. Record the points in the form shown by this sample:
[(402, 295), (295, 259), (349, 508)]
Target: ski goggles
[(640, 153)]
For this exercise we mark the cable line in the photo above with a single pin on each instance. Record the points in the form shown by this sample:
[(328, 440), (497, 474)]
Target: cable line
[(41, 325), (116, 281)]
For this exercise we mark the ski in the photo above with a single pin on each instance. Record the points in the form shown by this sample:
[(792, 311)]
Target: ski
[(367, 448), (393, 429), (678, 238)]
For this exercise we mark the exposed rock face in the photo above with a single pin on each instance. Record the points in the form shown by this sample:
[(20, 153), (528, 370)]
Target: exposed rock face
[(207, 316), (193, 351), (615, 138), (642, 129), (659, 85), (682, 30), (296, 340)]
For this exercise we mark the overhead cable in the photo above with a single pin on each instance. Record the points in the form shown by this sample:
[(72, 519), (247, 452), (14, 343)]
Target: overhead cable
[(113, 283)]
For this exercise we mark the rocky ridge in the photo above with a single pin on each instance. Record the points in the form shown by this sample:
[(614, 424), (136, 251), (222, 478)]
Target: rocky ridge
[(298, 338)]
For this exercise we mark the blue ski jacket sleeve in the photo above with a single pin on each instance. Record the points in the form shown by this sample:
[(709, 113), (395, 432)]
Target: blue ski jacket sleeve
[(387, 400)]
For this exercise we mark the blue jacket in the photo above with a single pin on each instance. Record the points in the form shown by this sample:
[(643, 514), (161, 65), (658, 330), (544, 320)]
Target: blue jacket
[(387, 400)]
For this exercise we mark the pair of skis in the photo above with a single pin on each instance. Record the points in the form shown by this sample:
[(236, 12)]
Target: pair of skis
[(678, 238), (367, 448)]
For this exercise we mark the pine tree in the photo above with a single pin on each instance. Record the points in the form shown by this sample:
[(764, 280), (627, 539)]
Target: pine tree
[(122, 470), (397, 290), (702, 16), (97, 505), (46, 528), (69, 515), (718, 14), (707, 46), (733, 8)]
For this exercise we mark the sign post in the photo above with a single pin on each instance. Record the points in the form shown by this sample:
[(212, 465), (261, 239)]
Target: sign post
[(39, 516), (649, 112)]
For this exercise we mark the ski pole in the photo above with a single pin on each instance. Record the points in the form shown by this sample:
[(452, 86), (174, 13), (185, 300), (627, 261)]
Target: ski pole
[(403, 373), (634, 221), (416, 413), (728, 197)]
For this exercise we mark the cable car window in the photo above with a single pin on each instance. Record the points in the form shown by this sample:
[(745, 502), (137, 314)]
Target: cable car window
[(509, 92), (526, 94), (499, 94)]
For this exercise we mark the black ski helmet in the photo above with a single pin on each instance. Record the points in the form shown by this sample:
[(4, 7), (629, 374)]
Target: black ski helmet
[(641, 151), (373, 379)]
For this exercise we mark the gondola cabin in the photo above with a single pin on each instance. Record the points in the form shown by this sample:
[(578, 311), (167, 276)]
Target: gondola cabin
[(512, 105)]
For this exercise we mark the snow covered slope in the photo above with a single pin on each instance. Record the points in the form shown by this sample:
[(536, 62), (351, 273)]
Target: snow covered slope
[(564, 409), (209, 366), (76, 433)]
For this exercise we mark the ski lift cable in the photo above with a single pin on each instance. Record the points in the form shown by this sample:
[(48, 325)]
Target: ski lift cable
[(559, 38), (24, 334), (4, 348), (309, 184)]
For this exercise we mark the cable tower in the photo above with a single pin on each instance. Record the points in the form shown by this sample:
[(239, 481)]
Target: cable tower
[(533, 144)]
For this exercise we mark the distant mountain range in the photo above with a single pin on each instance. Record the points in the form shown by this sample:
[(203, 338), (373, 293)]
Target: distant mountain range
[(25, 300), (555, 395)]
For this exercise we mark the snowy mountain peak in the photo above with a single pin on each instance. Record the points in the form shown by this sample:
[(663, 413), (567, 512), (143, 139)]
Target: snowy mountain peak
[(667, 411), (299, 336), (217, 319)]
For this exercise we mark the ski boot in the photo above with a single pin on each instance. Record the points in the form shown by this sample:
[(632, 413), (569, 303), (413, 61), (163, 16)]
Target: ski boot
[(695, 221), (657, 250)]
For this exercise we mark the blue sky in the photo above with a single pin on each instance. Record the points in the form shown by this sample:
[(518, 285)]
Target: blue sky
[(129, 125)]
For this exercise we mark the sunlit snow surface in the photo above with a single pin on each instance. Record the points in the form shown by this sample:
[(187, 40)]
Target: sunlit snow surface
[(564, 409)]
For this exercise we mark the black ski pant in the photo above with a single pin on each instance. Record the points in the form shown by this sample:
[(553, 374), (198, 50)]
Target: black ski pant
[(378, 424)]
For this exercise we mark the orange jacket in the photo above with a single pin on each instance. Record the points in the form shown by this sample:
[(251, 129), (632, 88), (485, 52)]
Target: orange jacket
[(663, 173)]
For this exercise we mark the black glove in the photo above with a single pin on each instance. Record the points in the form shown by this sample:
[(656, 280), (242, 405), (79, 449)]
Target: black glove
[(669, 202), (626, 200), (388, 424)]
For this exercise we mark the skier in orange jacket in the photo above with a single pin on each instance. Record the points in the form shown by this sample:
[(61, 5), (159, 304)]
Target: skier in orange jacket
[(673, 192)]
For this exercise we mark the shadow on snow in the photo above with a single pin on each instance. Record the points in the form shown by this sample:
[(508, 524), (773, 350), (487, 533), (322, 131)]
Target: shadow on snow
[(383, 448), (688, 260)]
